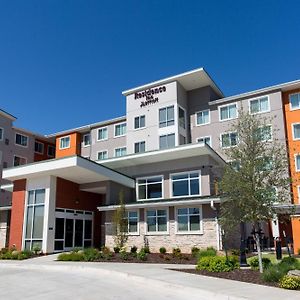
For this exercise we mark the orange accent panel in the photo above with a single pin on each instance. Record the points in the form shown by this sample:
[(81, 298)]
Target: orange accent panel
[(75, 145), (17, 214), (296, 233)]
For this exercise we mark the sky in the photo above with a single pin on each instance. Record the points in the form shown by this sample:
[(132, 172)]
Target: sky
[(65, 63)]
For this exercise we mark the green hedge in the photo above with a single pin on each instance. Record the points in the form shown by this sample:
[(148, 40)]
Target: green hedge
[(290, 282), (218, 263)]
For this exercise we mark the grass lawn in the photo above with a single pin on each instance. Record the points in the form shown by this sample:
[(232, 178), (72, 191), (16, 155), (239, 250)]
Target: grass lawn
[(272, 257)]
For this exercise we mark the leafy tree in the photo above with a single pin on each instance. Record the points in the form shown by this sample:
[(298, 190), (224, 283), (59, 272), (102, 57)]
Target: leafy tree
[(257, 179), (120, 223)]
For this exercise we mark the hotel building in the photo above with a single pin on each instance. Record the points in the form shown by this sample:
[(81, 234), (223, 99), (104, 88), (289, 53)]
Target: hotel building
[(163, 157)]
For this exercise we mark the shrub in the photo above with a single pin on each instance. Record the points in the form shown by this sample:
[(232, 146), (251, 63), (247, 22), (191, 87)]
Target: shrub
[(36, 249), (124, 255), (254, 264), (73, 256), (195, 251), (290, 282), (145, 249), (133, 249), (162, 250), (116, 249), (217, 263), (290, 261), (90, 254), (177, 253), (210, 251), (273, 274), (142, 255), (105, 250)]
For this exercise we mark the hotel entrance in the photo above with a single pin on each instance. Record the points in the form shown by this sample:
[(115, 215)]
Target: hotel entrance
[(73, 229)]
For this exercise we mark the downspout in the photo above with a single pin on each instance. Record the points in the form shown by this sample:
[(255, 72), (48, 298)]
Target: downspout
[(212, 206)]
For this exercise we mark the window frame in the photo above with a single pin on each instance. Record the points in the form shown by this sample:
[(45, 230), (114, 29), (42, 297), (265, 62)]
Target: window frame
[(166, 135), (293, 132), (167, 120), (139, 147), (50, 146), (225, 105), (102, 151), (118, 148), (292, 109), (23, 135), (185, 117), (146, 184), (22, 157), (149, 233), (183, 232), (136, 233), (65, 137), (139, 118), (189, 179), (296, 168), (43, 147), (204, 137), (271, 139), (102, 128), (196, 117), (120, 124), (228, 132), (258, 99), (83, 140)]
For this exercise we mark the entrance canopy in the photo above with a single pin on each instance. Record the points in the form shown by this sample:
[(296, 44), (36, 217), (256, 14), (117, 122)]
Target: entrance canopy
[(73, 168)]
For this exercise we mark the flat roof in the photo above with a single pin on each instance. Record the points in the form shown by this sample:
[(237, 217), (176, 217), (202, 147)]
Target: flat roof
[(37, 135), (190, 80), (7, 115)]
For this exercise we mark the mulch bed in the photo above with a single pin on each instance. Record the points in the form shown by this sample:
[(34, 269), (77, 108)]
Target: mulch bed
[(244, 275)]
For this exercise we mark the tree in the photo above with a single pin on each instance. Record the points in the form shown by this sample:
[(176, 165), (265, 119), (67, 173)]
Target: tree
[(120, 223), (257, 177)]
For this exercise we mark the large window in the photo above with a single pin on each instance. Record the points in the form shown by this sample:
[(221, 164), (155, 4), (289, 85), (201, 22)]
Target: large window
[(150, 188), (120, 152), (203, 117), (1, 134), (264, 133), (139, 122), (229, 139), (204, 140), (86, 140), (19, 161), (189, 220), (228, 112), (181, 117), (259, 105), (139, 147), (295, 101), (166, 116), (34, 219), (120, 129), (132, 221), (157, 220), (297, 162), (186, 184), (101, 155), (167, 141), (102, 134), (296, 131), (39, 147), (21, 140), (64, 142)]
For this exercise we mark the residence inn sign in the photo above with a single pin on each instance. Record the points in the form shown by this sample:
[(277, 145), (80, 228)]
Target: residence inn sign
[(151, 95)]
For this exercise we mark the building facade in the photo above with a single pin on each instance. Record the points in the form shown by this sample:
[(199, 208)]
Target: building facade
[(163, 158)]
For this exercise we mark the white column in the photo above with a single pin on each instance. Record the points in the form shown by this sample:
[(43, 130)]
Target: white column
[(275, 227)]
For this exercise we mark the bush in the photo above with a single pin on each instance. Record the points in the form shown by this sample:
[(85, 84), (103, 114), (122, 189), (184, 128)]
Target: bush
[(254, 264), (36, 249), (105, 250), (142, 255), (116, 249), (176, 252), (290, 282), (162, 250), (124, 255), (210, 251), (73, 256), (133, 249), (218, 263), (290, 261), (195, 251), (90, 254), (146, 249)]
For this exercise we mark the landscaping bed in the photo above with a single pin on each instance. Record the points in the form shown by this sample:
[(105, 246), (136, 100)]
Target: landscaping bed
[(13, 254)]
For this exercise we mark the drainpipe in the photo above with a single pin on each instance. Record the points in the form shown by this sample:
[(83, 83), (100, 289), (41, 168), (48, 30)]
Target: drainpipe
[(212, 206)]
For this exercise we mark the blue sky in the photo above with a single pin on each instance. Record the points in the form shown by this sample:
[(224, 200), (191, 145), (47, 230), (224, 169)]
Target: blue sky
[(64, 63)]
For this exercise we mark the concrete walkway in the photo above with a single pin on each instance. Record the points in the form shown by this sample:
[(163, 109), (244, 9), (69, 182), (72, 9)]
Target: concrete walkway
[(80, 280)]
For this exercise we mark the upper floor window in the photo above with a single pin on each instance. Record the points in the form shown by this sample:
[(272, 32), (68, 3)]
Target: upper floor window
[(296, 131), (139, 122), (51, 151), (86, 140), (181, 117), (203, 117), (18, 160), (102, 134), (166, 116), (167, 141), (139, 147), (189, 219), (64, 142), (101, 155), (150, 188), (1, 134), (259, 105), (228, 112), (204, 140), (264, 133), (295, 101), (120, 129), (21, 140), (297, 162), (229, 139), (120, 151), (39, 147), (157, 220), (186, 184)]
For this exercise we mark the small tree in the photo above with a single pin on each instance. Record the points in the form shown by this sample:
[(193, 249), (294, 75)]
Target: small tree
[(120, 223), (257, 178)]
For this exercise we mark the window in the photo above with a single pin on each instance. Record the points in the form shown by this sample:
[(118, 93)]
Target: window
[(1, 134), (132, 221), (265, 163), (86, 140), (120, 129), (101, 155), (189, 219), (235, 165), (51, 151), (157, 220), (39, 147), (204, 140), (296, 131), (264, 133), (166, 116), (102, 134), (139, 122), (19, 161), (229, 139), (64, 142), (120, 152), (167, 141), (295, 101), (228, 112), (21, 140), (150, 188), (34, 219), (297, 162), (259, 105), (203, 117), (185, 184), (181, 117), (139, 147)]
